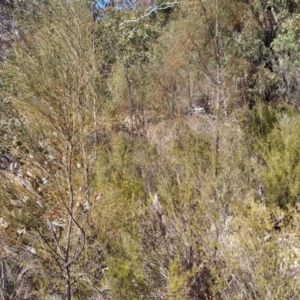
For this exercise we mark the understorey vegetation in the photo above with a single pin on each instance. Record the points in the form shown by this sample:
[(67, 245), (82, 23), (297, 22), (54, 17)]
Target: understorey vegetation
[(150, 150)]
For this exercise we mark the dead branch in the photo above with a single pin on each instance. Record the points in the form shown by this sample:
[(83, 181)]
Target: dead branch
[(156, 8)]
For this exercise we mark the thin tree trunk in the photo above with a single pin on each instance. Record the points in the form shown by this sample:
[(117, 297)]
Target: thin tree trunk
[(131, 99), (67, 263)]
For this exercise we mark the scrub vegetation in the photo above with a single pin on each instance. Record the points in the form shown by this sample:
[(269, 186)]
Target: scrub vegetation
[(150, 150)]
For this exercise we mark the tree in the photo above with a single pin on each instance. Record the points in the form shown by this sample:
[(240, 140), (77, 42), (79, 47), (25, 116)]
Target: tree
[(50, 76)]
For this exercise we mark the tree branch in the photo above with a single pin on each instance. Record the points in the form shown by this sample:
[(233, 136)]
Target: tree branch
[(164, 6)]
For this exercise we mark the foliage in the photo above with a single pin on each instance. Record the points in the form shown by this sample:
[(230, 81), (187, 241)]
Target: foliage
[(50, 77), (150, 152)]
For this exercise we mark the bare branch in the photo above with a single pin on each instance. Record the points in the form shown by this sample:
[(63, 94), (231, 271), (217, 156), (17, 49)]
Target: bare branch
[(164, 6)]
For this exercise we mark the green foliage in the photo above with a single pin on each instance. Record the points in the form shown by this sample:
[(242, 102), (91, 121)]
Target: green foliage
[(260, 121), (282, 163), (167, 145), (286, 48), (127, 275), (187, 158), (130, 41), (119, 168), (120, 176), (177, 285)]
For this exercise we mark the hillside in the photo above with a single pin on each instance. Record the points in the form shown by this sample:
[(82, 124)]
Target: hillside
[(150, 150)]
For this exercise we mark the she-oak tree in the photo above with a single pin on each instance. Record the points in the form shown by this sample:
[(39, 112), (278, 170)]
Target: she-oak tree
[(51, 78)]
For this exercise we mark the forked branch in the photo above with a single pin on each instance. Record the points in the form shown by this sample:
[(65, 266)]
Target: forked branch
[(163, 6)]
